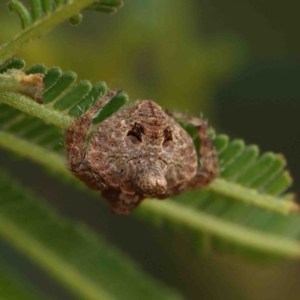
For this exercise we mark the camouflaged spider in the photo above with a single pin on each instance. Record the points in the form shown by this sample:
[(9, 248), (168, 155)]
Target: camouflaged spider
[(138, 152)]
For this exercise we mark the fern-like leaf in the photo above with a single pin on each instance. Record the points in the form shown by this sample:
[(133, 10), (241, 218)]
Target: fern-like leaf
[(244, 208), (42, 8), (70, 253), (244, 175), (46, 14)]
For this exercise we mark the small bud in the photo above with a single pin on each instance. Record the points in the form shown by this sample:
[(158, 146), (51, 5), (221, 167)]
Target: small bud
[(76, 19)]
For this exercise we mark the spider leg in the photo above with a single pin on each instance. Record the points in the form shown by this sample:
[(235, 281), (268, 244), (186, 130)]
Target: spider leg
[(77, 132), (209, 168), (121, 203)]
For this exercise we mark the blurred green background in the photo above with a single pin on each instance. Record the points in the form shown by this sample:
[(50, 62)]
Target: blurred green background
[(237, 62)]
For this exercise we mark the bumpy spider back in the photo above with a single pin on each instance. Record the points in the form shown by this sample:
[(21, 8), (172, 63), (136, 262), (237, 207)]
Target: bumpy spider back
[(137, 152), (141, 150)]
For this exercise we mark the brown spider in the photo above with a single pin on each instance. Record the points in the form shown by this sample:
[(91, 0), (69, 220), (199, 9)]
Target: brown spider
[(138, 152)]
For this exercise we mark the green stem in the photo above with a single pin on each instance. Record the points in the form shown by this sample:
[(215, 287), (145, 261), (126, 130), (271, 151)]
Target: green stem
[(35, 153), (40, 27), (229, 231), (27, 105), (51, 161), (251, 196)]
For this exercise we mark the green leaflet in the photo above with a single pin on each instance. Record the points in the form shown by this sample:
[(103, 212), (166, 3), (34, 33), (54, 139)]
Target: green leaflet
[(42, 8), (70, 253), (16, 63)]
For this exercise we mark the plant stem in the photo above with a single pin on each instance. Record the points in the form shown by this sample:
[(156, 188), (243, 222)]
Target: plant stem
[(40, 27), (251, 196), (27, 105), (229, 231), (35, 153)]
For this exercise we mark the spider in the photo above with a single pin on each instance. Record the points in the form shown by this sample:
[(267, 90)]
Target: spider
[(139, 151)]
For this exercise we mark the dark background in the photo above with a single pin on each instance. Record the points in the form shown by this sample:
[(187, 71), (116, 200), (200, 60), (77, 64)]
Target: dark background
[(237, 62)]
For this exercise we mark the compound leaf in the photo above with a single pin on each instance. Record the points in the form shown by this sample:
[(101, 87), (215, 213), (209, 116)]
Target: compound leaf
[(247, 207), (46, 14)]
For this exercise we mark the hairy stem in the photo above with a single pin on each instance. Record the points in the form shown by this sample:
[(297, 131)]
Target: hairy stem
[(40, 27), (35, 153), (238, 192), (27, 105)]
